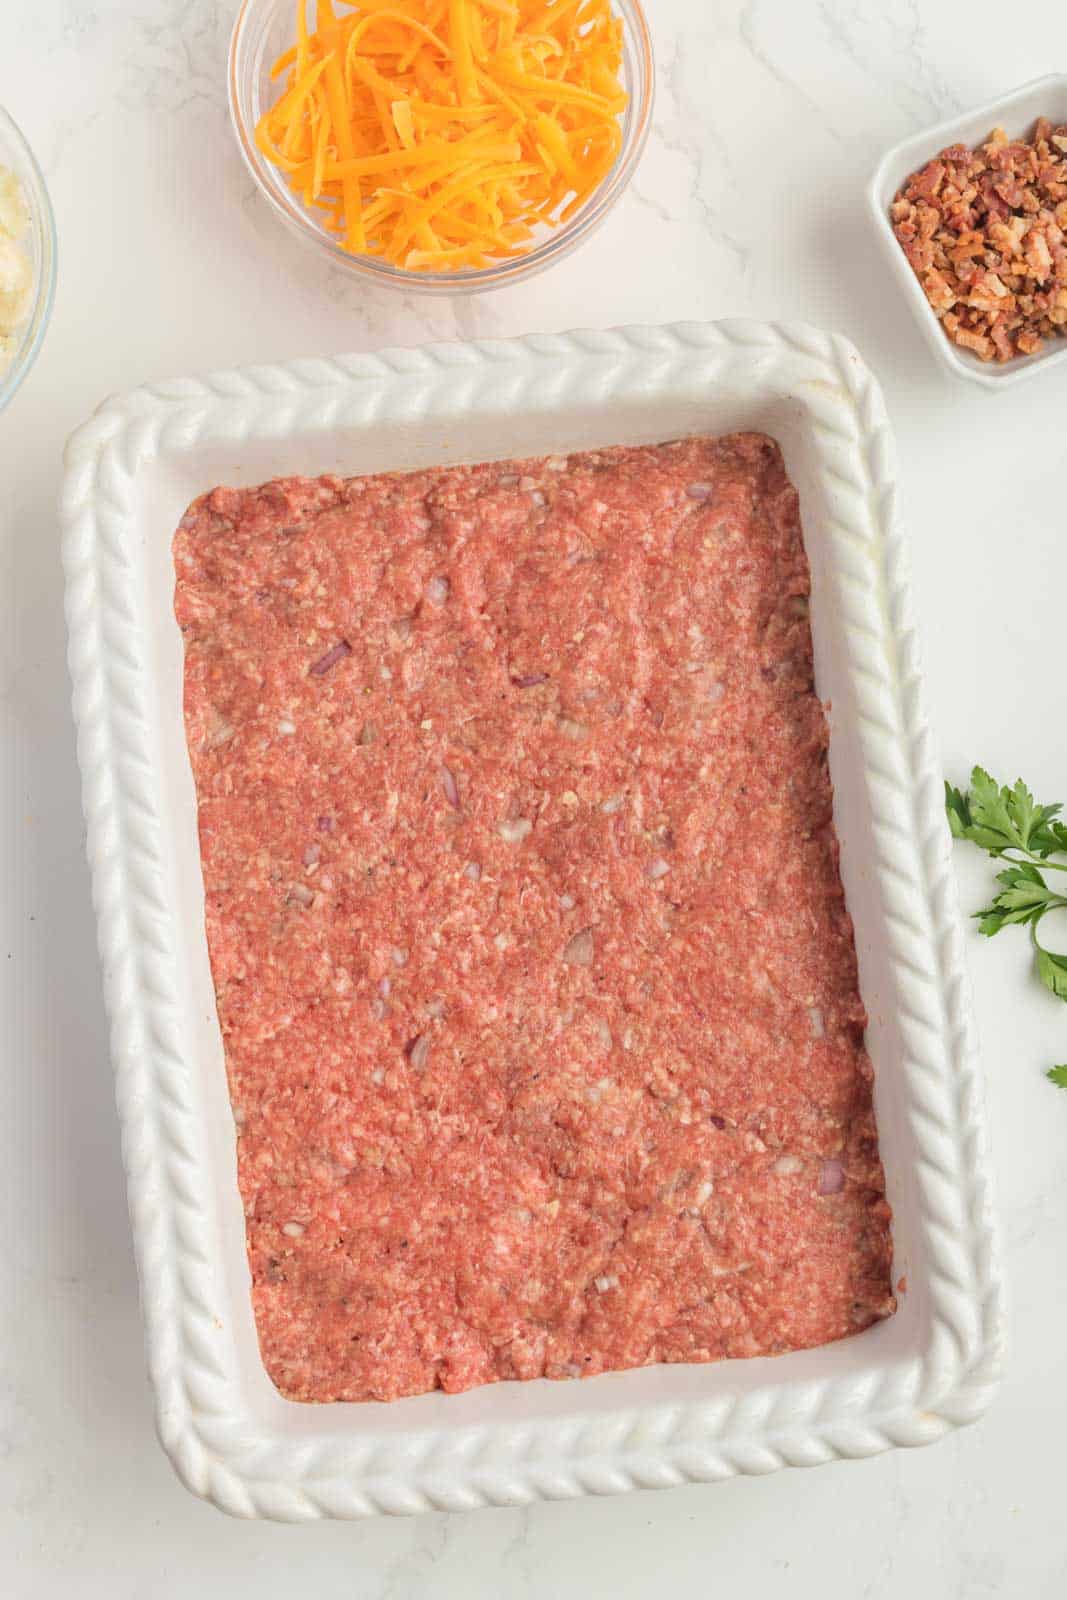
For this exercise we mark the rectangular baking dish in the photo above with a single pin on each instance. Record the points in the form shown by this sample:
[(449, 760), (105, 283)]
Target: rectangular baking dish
[(130, 473)]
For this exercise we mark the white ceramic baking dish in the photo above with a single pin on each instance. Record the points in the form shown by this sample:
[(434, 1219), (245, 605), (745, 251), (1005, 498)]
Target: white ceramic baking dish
[(130, 473), (1016, 112)]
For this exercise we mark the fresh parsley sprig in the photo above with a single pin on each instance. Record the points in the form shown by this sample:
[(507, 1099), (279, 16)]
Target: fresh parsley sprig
[(1012, 827)]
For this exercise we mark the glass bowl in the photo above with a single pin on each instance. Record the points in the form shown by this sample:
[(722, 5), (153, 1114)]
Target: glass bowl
[(264, 28), (40, 241)]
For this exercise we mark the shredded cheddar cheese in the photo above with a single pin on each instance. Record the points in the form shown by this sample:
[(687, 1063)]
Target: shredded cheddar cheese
[(443, 134)]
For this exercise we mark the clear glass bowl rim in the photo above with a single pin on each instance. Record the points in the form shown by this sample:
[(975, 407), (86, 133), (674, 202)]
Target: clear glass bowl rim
[(43, 225), (565, 238)]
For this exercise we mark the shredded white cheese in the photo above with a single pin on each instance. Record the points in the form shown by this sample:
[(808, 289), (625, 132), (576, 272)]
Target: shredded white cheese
[(16, 273)]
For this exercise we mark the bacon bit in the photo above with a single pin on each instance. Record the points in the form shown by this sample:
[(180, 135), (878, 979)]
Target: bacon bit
[(336, 653), (1038, 257), (977, 342), (831, 1177), (699, 491), (982, 230), (326, 824), (578, 951), (448, 784)]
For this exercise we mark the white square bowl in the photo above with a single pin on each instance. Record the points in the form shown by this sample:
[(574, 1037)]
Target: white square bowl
[(130, 473), (1016, 112)]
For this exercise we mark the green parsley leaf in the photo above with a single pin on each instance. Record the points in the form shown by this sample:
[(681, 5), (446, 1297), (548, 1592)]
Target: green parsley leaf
[(1048, 836), (1012, 827), (1052, 970), (958, 812), (1023, 811), (992, 823)]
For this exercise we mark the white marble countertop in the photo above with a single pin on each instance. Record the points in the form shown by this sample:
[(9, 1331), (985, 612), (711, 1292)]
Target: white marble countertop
[(770, 117)]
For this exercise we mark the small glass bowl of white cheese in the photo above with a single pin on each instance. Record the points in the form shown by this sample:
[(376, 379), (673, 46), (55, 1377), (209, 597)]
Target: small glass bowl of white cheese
[(27, 258)]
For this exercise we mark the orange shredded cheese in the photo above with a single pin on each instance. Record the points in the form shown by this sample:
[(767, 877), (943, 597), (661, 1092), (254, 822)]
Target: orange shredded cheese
[(446, 134)]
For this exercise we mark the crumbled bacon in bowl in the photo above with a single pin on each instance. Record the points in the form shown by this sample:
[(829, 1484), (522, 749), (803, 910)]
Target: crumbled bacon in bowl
[(985, 232)]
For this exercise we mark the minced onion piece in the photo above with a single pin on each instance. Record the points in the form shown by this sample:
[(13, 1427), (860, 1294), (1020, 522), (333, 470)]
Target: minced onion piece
[(578, 951), (336, 653), (515, 830), (448, 784), (831, 1177), (417, 1050)]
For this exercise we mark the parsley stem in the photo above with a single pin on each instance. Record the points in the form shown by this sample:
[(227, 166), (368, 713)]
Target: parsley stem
[(1029, 860)]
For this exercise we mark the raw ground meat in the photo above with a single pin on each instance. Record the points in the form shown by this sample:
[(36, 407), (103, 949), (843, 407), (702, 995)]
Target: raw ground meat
[(535, 978)]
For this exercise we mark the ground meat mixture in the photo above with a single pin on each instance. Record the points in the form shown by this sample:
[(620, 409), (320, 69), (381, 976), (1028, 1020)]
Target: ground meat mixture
[(535, 978)]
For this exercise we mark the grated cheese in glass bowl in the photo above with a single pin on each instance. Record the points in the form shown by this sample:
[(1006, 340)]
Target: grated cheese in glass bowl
[(27, 258)]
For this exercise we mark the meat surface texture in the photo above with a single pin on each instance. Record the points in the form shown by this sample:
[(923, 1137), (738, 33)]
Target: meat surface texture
[(535, 978)]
